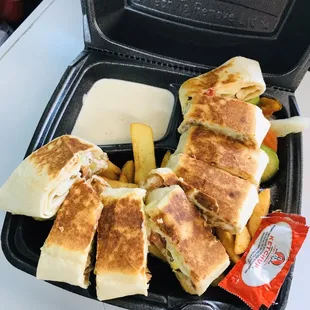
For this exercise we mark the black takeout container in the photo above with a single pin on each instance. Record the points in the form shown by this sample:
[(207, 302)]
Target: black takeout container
[(163, 43)]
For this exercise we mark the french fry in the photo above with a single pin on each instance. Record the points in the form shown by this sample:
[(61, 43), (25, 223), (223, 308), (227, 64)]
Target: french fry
[(143, 150), (269, 106), (128, 171), (261, 209), (216, 282), (228, 241), (122, 178), (112, 172), (242, 241), (165, 159), (119, 184)]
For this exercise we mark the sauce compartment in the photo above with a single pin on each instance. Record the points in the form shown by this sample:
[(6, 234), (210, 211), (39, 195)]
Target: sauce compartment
[(22, 236), (112, 105), (67, 114)]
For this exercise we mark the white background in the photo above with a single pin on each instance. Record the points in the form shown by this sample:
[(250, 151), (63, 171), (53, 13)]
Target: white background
[(31, 63)]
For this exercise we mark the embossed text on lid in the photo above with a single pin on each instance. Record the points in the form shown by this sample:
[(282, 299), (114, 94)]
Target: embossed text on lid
[(249, 15)]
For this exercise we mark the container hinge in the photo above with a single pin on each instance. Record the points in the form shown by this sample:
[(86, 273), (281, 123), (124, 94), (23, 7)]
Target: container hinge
[(179, 68), (187, 70)]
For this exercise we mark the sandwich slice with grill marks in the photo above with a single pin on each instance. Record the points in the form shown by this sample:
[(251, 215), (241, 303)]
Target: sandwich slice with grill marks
[(223, 152), (164, 177), (121, 263), (39, 185), (177, 230), (234, 118), (66, 253), (235, 197), (239, 77)]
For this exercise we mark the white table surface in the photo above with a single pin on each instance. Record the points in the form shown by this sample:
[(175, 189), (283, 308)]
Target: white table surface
[(31, 63)]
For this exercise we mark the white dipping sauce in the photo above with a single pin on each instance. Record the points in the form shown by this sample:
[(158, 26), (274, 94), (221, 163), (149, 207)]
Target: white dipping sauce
[(112, 105)]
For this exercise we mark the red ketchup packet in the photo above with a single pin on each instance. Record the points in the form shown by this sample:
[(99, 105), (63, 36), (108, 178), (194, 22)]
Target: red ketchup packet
[(260, 273)]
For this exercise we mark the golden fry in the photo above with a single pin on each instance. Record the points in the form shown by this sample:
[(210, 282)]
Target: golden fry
[(165, 159), (228, 241), (119, 184), (260, 210), (143, 151), (128, 171), (112, 172), (242, 241), (269, 106), (122, 178)]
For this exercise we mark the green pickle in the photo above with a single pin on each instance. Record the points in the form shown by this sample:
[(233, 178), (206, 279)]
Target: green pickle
[(273, 165), (254, 101)]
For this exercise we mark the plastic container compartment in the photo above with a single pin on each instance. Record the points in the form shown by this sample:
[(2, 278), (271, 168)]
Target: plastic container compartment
[(113, 51)]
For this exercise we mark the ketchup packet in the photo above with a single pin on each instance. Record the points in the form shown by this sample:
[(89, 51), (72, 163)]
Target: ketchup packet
[(260, 273)]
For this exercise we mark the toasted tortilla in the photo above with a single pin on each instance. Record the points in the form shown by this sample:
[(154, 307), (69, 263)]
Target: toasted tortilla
[(235, 197), (40, 184), (121, 263), (239, 77), (193, 252), (224, 153), (164, 177), (66, 253), (234, 118)]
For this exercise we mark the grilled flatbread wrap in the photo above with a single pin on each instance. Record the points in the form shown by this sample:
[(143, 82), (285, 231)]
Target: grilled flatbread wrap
[(234, 118), (121, 263), (179, 232), (66, 253), (164, 177), (224, 153), (160, 177), (39, 185), (238, 77), (235, 197)]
